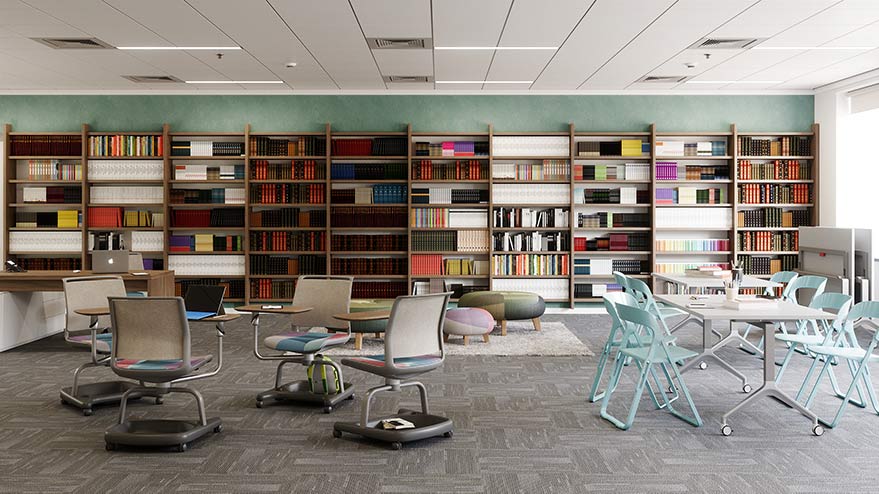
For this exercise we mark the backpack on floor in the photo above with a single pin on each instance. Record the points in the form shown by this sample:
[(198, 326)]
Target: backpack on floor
[(323, 379)]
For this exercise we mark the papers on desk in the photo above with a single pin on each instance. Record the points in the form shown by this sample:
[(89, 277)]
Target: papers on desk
[(753, 302), (708, 272)]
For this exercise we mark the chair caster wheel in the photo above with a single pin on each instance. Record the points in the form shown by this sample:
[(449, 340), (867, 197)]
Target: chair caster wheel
[(159, 400), (818, 430), (328, 409), (259, 404), (726, 430), (703, 365), (110, 447), (337, 434), (396, 446), (350, 397), (448, 434), (87, 412), (747, 388), (181, 448), (218, 429)]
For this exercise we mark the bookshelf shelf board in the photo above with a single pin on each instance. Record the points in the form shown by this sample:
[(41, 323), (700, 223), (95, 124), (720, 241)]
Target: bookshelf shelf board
[(229, 182), (124, 181), (759, 158), (775, 134), (368, 252), (207, 158), (289, 134), (780, 205), (203, 252), (289, 252), (776, 181), (599, 182), (692, 252), (449, 158), (451, 276), (768, 228), (531, 277), (693, 134), (723, 205), (530, 229), (288, 158), (448, 228), (127, 205), (377, 181), (446, 181), (610, 204), (640, 157), (611, 134), (42, 229), (275, 276), (588, 299), (369, 158), (767, 252), (124, 158), (45, 157), (209, 134), (693, 158), (287, 181), (133, 134), (693, 229), (613, 229), (45, 133), (45, 182), (449, 252), (205, 205), (516, 181), (383, 229), (208, 228), (721, 181), (45, 204), (285, 205), (214, 276), (370, 205), (531, 252), (458, 205), (761, 276), (225, 300), (70, 253), (533, 205), (287, 228), (614, 252), (376, 276), (607, 276), (450, 134), (531, 158), (132, 228)]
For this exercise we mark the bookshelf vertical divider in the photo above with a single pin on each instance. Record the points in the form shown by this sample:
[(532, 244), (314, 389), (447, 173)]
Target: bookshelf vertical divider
[(734, 200), (652, 189), (9, 188), (409, 153), (85, 258), (168, 175), (816, 183), (572, 218), (490, 206), (246, 237)]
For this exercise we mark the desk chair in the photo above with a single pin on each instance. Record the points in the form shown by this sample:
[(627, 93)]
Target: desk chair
[(413, 346), (327, 295), (82, 293), (151, 344)]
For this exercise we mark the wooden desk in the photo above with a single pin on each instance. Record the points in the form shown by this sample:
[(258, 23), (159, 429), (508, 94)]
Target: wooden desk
[(286, 309), (368, 315), (156, 283), (105, 311)]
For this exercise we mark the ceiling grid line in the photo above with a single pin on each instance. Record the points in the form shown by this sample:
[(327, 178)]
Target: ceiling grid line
[(363, 33), (500, 36), (432, 52), (318, 62), (562, 44)]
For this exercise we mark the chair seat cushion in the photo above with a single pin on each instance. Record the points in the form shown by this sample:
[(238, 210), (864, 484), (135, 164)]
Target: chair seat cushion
[(161, 365), (506, 306), (305, 342), (843, 352), (103, 341), (375, 364), (676, 353), (806, 339), (468, 321)]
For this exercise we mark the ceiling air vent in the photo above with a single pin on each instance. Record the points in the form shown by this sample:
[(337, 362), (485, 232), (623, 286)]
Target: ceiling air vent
[(151, 79), (407, 78), (74, 43), (725, 43), (399, 43), (663, 78)]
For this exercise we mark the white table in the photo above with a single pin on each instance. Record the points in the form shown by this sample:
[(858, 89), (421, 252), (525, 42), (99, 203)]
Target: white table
[(686, 282), (782, 312)]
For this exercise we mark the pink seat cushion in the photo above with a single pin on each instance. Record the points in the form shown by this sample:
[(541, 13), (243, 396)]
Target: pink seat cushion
[(468, 321)]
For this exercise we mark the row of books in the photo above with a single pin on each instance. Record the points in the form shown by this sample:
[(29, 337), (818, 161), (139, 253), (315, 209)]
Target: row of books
[(294, 170), (302, 264), (775, 146), (289, 218), (368, 171), (672, 170), (624, 171), (549, 289), (613, 242), (288, 241), (205, 242), (620, 195), (377, 146), (683, 148), (272, 289), (141, 217), (691, 245), (435, 264), (52, 195), (691, 195), (296, 146), (604, 219), (105, 217), (531, 193), (51, 241), (709, 218), (545, 170), (106, 241), (765, 265), (448, 195), (605, 267), (152, 242), (233, 288), (775, 170), (124, 170), (774, 218), (207, 148), (682, 267), (531, 146), (476, 241), (202, 218), (288, 194), (506, 217), (216, 195), (53, 170), (459, 170), (206, 265), (531, 264), (595, 290), (374, 194), (64, 218), (530, 242), (125, 145), (379, 289), (623, 147), (368, 217), (369, 265), (207, 172), (127, 194), (370, 243), (49, 263), (36, 145), (775, 193), (768, 241), (451, 148)]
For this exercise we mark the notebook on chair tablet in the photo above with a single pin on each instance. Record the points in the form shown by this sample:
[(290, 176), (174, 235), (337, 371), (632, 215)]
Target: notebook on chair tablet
[(203, 301)]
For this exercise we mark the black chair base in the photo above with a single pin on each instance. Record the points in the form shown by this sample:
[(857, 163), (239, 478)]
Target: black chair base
[(426, 426), (159, 433), (91, 395), (298, 391)]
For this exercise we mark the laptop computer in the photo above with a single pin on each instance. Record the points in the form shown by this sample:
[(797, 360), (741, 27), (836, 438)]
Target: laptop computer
[(110, 261), (203, 301)]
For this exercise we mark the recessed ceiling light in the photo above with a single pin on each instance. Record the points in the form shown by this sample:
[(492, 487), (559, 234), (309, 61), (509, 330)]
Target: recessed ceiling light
[(496, 48), (186, 48), (484, 82), (814, 48), (290, 65), (234, 82), (733, 82)]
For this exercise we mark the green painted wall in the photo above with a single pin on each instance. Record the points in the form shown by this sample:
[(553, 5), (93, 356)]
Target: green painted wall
[(392, 112)]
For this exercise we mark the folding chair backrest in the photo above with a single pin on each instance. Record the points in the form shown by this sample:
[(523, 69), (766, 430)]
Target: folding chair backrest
[(633, 318), (415, 327), (642, 293), (150, 328), (808, 282), (836, 303), (622, 280), (868, 309), (88, 292), (783, 277), (326, 295), (611, 300)]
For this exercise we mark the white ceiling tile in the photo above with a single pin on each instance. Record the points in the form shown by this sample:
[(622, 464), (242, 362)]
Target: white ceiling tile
[(235, 65), (747, 63), (469, 23), (404, 62), (100, 20), (831, 23), (801, 64), (174, 21), (531, 23), (461, 65), (768, 18), (832, 73), (458, 87), (419, 86), (865, 36), (516, 65), (394, 18)]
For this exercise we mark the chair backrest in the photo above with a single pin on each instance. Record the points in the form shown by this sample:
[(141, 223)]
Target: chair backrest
[(642, 293), (622, 280), (836, 303), (326, 295), (816, 283), (783, 277), (150, 328), (634, 318), (611, 300), (868, 309), (415, 327), (86, 292)]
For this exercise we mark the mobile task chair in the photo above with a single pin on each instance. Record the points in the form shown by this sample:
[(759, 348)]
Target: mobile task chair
[(326, 295), (151, 344), (88, 292), (413, 346)]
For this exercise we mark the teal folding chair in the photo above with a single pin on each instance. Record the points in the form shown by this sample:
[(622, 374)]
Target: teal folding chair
[(642, 293), (782, 277), (847, 348), (622, 280), (660, 351)]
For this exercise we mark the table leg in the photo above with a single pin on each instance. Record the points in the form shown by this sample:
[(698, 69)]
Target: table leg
[(769, 389), (708, 352)]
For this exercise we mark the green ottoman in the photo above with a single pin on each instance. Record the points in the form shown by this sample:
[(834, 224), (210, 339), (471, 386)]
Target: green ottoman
[(377, 327), (507, 306)]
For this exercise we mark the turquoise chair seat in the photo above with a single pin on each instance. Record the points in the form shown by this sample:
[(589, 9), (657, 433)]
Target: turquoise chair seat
[(675, 353), (844, 352), (803, 339)]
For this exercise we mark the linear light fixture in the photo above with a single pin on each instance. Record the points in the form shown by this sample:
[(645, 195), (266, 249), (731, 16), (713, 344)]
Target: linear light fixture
[(484, 82), (496, 48), (733, 82), (814, 48), (182, 48), (234, 82)]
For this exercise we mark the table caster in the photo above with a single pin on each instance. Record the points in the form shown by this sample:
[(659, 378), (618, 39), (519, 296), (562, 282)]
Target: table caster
[(218, 429), (448, 434), (110, 447), (181, 448), (259, 404), (703, 365), (396, 446), (328, 409), (818, 430), (87, 412), (337, 434), (159, 400), (726, 430), (747, 388)]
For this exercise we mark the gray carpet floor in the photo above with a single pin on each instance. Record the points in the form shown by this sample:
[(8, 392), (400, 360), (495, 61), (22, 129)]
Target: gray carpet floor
[(522, 424)]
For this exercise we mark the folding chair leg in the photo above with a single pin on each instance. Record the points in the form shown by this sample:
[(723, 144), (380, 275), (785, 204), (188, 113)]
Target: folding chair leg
[(695, 420), (842, 406), (787, 357), (633, 409), (594, 394)]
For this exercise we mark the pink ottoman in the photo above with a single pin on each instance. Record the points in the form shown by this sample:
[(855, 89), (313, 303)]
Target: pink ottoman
[(467, 322)]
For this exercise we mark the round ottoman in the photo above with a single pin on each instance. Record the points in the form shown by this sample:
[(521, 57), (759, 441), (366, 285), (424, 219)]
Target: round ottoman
[(361, 327), (507, 306), (467, 322)]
